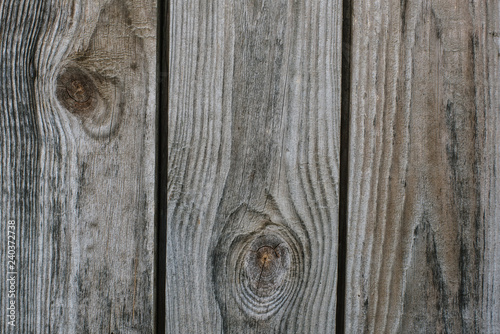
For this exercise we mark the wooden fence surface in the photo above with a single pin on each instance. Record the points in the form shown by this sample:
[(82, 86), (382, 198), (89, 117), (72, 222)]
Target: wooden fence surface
[(254, 106), (424, 200), (251, 166), (78, 94)]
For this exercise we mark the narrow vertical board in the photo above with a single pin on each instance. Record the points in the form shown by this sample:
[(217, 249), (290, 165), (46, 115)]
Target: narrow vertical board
[(253, 150), (77, 139), (423, 232)]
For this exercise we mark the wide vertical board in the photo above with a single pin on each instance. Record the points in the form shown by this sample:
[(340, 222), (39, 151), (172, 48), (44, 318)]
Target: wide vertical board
[(253, 151), (423, 233), (77, 138)]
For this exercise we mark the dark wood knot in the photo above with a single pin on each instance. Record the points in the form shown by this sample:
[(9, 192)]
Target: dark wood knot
[(263, 277), (76, 91), (267, 262), (260, 270)]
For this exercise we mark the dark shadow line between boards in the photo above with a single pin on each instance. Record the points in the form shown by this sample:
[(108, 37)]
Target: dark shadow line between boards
[(344, 165), (162, 71)]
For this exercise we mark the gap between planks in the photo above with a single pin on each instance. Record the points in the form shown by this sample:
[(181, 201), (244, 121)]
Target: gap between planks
[(344, 164)]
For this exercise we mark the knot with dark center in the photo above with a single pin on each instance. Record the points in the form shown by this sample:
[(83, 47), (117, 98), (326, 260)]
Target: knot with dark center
[(267, 263), (76, 91)]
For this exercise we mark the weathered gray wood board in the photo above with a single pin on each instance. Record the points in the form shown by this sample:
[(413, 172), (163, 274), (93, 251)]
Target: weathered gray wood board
[(253, 144), (424, 198), (77, 138)]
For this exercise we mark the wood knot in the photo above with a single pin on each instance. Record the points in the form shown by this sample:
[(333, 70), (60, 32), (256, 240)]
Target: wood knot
[(266, 256), (76, 91), (266, 264), (258, 271), (263, 277)]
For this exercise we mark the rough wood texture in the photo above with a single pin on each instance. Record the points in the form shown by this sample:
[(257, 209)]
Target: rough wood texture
[(253, 142), (424, 210), (77, 138)]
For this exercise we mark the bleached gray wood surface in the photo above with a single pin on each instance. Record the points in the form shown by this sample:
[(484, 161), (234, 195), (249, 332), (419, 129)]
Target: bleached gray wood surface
[(253, 142), (77, 135), (424, 201), (252, 159)]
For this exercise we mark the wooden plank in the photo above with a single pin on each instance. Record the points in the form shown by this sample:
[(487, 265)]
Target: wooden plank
[(424, 208), (77, 145), (253, 150)]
